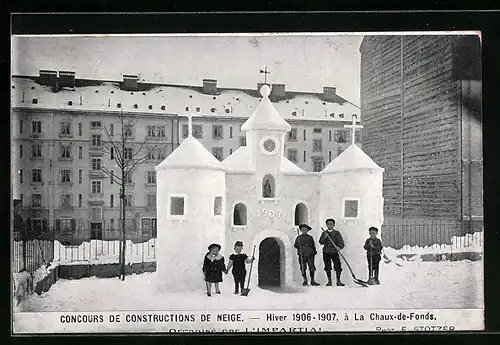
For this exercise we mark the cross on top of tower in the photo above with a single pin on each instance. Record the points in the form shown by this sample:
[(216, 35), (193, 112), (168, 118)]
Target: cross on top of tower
[(266, 72), (189, 115), (353, 128)]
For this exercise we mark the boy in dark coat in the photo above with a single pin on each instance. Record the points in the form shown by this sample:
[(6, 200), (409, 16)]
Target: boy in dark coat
[(237, 262), (330, 253), (306, 250), (373, 247), (213, 266)]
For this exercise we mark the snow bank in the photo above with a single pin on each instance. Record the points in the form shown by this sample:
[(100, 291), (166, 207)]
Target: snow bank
[(23, 286), (468, 243), (99, 251)]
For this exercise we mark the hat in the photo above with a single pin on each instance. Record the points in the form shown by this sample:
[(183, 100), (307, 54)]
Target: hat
[(305, 226), (238, 244), (330, 220), (214, 245)]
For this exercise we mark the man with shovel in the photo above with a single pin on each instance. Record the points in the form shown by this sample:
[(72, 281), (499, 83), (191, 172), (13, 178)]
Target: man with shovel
[(332, 240)]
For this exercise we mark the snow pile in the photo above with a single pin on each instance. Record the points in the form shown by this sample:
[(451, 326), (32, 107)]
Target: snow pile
[(418, 285), (43, 272), (468, 243), (99, 251), (23, 286)]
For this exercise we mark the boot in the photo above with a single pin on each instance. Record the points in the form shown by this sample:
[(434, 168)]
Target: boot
[(376, 277), (236, 286), (329, 276), (304, 283), (339, 283), (313, 283)]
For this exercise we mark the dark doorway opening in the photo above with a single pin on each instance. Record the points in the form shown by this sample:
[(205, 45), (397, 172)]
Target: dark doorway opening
[(96, 231), (269, 263)]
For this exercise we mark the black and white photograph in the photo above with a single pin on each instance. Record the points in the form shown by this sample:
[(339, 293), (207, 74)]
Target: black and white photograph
[(271, 182)]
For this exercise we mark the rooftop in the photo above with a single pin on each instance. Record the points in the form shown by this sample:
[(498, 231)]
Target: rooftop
[(353, 158), (154, 99)]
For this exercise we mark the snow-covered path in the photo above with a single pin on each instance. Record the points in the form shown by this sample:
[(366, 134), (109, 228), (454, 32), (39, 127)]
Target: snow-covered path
[(417, 285)]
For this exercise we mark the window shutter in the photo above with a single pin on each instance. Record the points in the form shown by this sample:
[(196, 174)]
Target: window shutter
[(58, 225), (73, 224)]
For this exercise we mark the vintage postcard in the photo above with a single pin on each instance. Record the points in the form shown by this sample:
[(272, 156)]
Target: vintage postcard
[(261, 183)]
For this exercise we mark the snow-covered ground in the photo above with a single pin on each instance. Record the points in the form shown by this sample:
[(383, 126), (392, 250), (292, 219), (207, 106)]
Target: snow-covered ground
[(416, 285)]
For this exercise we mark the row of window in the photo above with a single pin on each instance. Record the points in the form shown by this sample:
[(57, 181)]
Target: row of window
[(178, 205), (66, 199), (158, 131), (65, 151), (70, 224), (66, 175)]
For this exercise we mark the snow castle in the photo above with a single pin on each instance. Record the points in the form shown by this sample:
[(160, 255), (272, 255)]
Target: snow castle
[(257, 196)]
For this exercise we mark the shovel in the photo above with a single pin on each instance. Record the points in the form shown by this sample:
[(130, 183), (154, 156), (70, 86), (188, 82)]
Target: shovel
[(245, 291), (356, 280)]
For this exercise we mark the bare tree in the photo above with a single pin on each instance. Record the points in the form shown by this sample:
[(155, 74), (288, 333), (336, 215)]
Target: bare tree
[(127, 153)]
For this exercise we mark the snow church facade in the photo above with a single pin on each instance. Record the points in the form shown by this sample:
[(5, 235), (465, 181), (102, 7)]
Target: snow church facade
[(258, 196)]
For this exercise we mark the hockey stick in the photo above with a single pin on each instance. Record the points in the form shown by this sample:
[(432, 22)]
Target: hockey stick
[(356, 280)]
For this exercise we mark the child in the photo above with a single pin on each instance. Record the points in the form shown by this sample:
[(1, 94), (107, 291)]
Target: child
[(331, 239), (373, 247), (237, 262), (306, 250), (213, 266)]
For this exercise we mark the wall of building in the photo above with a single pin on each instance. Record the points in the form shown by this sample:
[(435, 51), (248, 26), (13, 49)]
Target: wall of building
[(411, 123)]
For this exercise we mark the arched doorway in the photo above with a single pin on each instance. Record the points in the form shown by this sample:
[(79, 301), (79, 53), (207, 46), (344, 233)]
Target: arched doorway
[(269, 265), (301, 214)]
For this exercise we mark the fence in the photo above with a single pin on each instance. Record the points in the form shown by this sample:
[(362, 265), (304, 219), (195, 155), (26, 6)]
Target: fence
[(438, 235), (90, 246)]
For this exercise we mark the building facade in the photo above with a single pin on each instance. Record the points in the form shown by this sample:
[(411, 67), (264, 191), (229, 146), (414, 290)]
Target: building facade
[(60, 125), (419, 127)]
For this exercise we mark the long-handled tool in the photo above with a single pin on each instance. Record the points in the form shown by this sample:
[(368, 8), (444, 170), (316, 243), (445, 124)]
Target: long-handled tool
[(356, 280), (245, 291)]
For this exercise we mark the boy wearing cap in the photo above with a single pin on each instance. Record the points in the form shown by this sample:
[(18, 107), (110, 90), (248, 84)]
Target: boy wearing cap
[(332, 241), (237, 262), (373, 247), (213, 266), (306, 250)]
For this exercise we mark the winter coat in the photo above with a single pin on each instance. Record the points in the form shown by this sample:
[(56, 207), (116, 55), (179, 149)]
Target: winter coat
[(213, 268), (304, 243), (334, 235), (376, 250)]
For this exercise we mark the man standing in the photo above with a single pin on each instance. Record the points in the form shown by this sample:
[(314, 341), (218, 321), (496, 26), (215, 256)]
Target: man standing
[(306, 251), (332, 241)]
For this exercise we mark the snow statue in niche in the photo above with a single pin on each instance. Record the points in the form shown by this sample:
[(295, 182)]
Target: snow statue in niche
[(254, 196), (268, 193)]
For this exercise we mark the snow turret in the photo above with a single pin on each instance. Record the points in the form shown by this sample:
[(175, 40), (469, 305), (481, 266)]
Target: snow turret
[(351, 193), (191, 189)]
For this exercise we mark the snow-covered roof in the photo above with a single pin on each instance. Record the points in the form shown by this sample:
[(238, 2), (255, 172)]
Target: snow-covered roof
[(353, 158), (190, 154), (239, 160), (265, 116), (91, 95), (288, 166)]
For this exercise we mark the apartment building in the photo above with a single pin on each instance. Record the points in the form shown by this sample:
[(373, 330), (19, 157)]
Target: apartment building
[(60, 124)]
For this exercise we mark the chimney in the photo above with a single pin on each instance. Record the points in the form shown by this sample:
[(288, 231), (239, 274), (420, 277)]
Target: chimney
[(66, 79), (48, 77), (210, 86), (329, 93), (129, 82), (278, 91)]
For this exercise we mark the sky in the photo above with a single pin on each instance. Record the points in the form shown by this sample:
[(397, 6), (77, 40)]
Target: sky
[(303, 63)]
